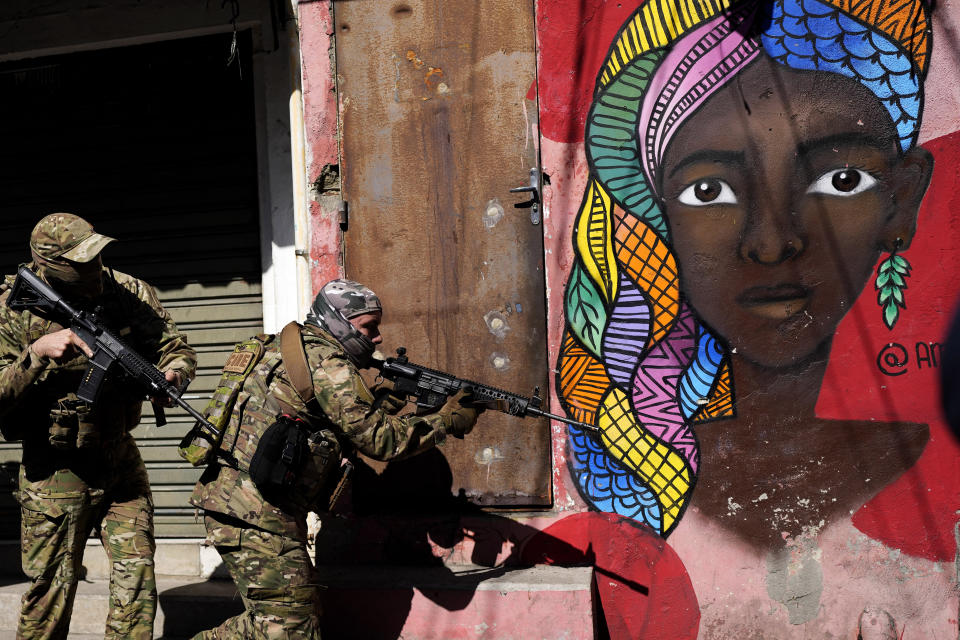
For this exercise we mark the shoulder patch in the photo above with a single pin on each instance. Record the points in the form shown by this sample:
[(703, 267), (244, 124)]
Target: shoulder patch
[(238, 361)]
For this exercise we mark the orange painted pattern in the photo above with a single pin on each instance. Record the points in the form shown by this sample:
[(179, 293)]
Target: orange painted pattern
[(649, 263), (903, 21), (582, 380)]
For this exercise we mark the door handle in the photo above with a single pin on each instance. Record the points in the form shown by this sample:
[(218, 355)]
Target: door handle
[(534, 190)]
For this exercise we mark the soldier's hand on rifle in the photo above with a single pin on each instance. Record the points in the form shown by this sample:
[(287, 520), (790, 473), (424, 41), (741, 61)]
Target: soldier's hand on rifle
[(385, 397), (60, 345), (173, 377), (467, 399), (463, 415)]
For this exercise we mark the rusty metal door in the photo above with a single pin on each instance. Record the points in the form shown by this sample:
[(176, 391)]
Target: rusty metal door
[(436, 129)]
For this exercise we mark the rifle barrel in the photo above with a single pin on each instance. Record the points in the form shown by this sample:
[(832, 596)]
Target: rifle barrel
[(196, 414), (583, 425)]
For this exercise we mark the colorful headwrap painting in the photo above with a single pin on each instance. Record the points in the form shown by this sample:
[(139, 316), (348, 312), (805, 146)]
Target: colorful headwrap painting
[(635, 361)]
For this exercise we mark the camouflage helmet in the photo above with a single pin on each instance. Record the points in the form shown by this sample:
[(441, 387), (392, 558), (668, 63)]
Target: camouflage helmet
[(64, 235), (350, 298), (337, 302)]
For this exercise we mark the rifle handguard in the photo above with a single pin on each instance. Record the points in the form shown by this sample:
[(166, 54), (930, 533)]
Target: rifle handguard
[(431, 388)]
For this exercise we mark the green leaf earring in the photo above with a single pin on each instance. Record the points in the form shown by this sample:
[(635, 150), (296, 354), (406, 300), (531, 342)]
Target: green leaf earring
[(892, 277)]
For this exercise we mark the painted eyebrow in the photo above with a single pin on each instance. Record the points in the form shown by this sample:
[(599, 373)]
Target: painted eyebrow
[(849, 139), (711, 155)]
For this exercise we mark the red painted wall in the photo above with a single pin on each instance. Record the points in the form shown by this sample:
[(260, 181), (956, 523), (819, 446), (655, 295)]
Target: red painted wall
[(889, 560), (888, 563)]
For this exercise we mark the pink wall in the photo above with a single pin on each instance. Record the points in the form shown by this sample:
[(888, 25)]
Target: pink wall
[(768, 549), (794, 522), (320, 124)]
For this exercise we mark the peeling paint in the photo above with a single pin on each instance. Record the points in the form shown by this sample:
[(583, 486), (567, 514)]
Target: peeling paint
[(431, 73), (414, 58), (795, 579), (396, 80)]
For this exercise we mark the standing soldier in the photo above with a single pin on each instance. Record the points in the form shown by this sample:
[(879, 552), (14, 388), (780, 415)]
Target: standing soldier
[(81, 467), (298, 395)]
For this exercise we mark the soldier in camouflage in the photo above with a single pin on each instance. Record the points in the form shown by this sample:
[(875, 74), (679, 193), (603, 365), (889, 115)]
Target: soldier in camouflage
[(263, 542), (81, 468)]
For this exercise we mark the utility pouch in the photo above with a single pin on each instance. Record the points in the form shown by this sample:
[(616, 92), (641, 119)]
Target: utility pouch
[(72, 427), (62, 434), (88, 435), (277, 461), (198, 447), (295, 466)]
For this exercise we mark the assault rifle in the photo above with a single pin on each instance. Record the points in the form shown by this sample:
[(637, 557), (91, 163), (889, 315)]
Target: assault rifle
[(31, 293), (431, 388)]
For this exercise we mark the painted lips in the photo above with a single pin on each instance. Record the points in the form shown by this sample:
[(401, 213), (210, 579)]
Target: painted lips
[(778, 302)]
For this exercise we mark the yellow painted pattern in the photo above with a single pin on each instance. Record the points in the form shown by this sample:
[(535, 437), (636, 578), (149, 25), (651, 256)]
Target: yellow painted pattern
[(664, 470), (656, 24), (594, 244)]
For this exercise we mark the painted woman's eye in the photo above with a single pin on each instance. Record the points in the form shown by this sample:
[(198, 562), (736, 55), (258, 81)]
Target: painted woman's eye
[(843, 182), (707, 192)]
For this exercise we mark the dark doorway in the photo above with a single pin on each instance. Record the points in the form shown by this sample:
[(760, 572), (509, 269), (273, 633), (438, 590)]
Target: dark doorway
[(155, 145)]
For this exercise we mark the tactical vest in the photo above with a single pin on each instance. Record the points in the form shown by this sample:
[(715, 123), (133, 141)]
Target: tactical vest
[(51, 400), (247, 414)]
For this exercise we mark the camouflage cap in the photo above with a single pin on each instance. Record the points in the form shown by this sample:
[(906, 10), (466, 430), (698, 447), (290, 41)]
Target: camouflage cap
[(351, 298), (64, 235)]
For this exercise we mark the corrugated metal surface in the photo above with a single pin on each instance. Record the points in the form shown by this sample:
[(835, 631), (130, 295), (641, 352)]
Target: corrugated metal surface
[(436, 130), (155, 145)]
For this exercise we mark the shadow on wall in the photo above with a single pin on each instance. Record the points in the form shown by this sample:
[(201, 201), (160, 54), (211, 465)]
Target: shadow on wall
[(406, 521), (401, 511)]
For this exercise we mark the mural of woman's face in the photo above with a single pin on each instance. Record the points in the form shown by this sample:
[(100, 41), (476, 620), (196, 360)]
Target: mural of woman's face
[(780, 192)]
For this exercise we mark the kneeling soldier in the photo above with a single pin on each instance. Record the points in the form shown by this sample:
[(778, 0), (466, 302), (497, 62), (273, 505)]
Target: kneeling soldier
[(293, 408)]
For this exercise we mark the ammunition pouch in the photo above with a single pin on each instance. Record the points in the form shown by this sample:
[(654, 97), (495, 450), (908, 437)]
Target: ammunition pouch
[(199, 447), (72, 426), (296, 466)]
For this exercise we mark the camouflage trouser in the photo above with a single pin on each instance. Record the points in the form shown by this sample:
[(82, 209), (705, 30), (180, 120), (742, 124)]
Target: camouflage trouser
[(59, 511), (275, 578)]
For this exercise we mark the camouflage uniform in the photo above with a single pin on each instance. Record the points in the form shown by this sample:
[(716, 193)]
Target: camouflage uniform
[(81, 467), (264, 544)]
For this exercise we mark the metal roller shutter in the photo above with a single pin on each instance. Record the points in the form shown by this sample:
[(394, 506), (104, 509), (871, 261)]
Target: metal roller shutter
[(156, 146)]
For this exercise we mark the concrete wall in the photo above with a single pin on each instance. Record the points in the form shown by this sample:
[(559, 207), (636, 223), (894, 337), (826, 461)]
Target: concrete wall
[(727, 188)]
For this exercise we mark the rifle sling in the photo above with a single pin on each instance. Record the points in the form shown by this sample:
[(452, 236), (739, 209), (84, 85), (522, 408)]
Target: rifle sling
[(295, 361)]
